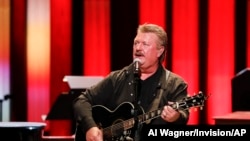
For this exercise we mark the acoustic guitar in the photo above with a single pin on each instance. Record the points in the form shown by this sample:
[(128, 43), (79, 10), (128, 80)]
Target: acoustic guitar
[(118, 124)]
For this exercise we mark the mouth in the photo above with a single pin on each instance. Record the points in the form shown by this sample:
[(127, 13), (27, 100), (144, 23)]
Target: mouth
[(138, 54)]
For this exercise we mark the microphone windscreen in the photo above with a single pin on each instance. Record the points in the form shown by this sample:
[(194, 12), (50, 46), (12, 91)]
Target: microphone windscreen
[(137, 60)]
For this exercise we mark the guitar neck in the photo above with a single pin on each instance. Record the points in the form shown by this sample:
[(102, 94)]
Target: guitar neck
[(128, 124), (149, 115)]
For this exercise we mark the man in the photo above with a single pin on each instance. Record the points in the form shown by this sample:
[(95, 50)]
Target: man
[(145, 83)]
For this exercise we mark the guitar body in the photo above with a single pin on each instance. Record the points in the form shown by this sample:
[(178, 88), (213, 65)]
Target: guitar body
[(112, 122)]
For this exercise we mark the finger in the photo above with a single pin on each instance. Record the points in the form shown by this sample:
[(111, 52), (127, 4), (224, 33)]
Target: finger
[(170, 109), (170, 102), (163, 114)]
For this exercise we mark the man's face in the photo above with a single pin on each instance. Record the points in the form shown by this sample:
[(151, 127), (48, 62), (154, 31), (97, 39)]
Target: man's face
[(145, 49)]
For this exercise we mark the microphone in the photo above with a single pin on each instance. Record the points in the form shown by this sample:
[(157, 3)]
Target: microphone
[(137, 62), (129, 139)]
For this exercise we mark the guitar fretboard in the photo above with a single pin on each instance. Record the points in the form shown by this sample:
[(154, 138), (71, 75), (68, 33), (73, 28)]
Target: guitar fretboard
[(127, 124)]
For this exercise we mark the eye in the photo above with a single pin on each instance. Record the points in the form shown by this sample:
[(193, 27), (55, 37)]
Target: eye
[(136, 43), (145, 44)]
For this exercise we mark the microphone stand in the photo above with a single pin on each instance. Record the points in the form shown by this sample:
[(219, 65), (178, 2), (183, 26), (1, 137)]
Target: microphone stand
[(137, 88)]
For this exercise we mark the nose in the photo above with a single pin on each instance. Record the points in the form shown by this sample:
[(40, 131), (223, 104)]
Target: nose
[(138, 46)]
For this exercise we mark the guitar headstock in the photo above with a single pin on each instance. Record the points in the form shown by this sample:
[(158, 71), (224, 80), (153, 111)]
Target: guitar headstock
[(197, 100)]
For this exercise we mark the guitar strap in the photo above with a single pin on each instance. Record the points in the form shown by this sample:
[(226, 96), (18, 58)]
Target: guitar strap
[(156, 101)]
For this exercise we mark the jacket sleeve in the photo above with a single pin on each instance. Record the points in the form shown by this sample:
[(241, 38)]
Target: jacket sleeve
[(175, 89), (82, 105), (178, 91)]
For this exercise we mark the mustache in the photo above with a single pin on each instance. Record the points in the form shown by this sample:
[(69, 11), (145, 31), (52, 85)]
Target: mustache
[(138, 53)]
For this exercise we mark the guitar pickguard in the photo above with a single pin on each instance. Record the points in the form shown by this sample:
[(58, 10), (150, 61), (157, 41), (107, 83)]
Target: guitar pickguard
[(112, 122)]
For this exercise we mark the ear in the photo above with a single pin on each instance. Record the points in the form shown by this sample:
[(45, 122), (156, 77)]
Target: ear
[(160, 51)]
